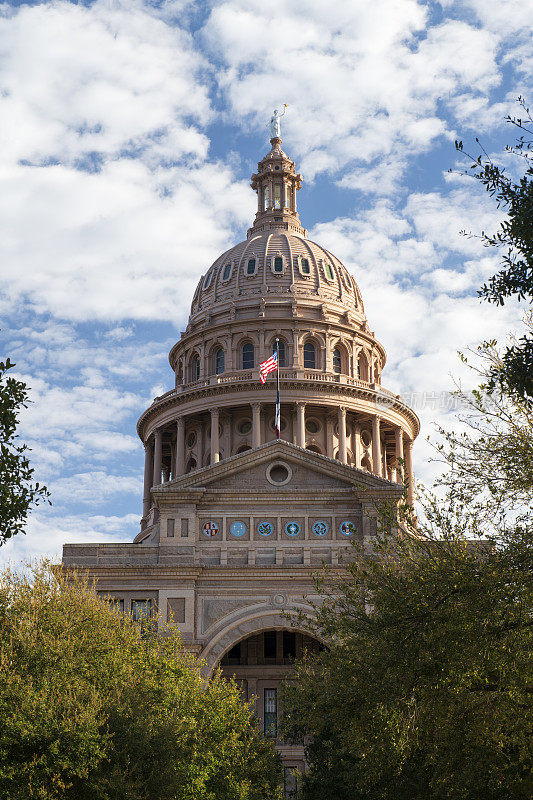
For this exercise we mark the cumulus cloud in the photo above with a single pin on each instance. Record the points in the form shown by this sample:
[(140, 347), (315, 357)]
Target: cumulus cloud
[(363, 83)]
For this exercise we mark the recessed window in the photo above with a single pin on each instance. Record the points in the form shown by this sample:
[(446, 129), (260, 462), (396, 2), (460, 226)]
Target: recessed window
[(312, 425), (219, 361), (227, 272), (337, 360), (278, 264), (191, 465), (194, 369), (244, 426), (269, 644), (250, 269), (362, 367), (309, 356), (289, 645), (328, 270), (271, 711), (207, 282), (304, 266), (282, 353), (141, 609), (248, 356), (191, 439)]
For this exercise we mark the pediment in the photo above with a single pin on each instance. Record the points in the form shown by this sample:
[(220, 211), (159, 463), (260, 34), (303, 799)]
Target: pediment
[(249, 472)]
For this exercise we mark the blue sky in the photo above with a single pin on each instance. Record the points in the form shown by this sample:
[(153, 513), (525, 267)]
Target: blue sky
[(129, 132)]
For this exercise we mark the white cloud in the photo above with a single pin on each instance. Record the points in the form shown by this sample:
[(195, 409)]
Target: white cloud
[(363, 83), (93, 487)]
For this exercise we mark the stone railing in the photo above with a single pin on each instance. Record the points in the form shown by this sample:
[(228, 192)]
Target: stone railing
[(246, 376)]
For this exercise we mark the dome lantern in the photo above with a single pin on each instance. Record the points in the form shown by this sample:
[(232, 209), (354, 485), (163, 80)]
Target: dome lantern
[(276, 183)]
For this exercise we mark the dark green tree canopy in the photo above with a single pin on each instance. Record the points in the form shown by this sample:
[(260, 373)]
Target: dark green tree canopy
[(96, 707), (515, 279), (17, 492)]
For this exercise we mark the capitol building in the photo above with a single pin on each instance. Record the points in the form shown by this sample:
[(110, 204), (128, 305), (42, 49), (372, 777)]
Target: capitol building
[(235, 521)]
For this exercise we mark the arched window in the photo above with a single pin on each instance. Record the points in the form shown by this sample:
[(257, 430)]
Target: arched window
[(362, 367), (247, 360), (219, 361), (278, 264), (337, 360), (304, 266), (282, 353), (250, 269), (207, 282), (191, 465), (309, 356), (194, 368), (227, 272), (328, 270)]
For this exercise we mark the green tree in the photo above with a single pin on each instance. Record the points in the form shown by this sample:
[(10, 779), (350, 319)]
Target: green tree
[(515, 279), (96, 707), (426, 690), (17, 492)]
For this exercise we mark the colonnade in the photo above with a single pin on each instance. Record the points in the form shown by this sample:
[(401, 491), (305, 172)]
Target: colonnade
[(154, 469)]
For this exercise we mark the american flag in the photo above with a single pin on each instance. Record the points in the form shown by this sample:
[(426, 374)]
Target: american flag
[(268, 366)]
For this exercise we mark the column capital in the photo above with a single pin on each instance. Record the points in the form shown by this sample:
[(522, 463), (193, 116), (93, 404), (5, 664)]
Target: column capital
[(301, 403), (215, 411), (180, 421), (256, 404)]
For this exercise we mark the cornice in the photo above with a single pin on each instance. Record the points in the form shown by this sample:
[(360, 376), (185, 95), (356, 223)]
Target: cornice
[(321, 390)]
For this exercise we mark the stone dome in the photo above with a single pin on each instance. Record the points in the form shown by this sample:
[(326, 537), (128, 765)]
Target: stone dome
[(276, 263)]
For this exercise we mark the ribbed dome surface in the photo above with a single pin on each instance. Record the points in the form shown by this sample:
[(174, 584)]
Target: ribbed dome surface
[(277, 262)]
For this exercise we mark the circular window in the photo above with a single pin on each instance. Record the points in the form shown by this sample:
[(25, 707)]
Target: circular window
[(191, 439), (278, 474), (366, 438), (244, 426), (312, 425)]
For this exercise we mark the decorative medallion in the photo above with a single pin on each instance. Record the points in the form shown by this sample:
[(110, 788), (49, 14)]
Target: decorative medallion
[(292, 529), (320, 528), (210, 529), (265, 528), (348, 528), (237, 529)]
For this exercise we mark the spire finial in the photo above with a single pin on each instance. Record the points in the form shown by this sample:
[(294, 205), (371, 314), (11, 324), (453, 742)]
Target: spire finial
[(275, 126)]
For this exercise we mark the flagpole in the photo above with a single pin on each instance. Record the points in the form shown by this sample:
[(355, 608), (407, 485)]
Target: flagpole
[(278, 408)]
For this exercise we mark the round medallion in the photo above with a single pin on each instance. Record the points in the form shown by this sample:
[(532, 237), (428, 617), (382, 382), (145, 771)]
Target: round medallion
[(237, 529), (320, 528), (292, 529), (265, 528), (210, 529), (347, 528)]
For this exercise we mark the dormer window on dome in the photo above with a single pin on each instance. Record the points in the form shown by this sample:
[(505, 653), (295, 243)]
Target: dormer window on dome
[(227, 272)]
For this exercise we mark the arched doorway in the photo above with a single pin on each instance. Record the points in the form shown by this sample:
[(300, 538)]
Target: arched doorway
[(259, 664)]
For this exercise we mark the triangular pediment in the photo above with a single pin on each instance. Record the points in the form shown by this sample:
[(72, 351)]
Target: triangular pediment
[(249, 472)]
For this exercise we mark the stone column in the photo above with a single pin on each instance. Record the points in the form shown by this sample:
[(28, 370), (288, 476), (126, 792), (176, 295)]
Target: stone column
[(256, 424), (300, 424), (329, 435), (358, 450), (399, 453), (295, 350), (409, 471), (148, 474), (215, 444), (180, 446), (342, 435), (158, 456), (384, 461), (376, 446)]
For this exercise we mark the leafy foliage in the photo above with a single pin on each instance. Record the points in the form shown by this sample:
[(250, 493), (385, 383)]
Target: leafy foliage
[(426, 690), (17, 492), (515, 373), (96, 707)]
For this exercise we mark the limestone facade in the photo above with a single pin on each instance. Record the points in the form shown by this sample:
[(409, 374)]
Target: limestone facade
[(236, 522)]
